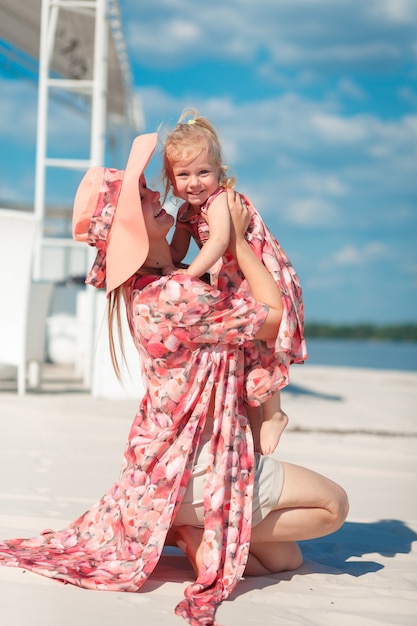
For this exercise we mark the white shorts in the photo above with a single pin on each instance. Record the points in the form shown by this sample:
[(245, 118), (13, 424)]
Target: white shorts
[(268, 483)]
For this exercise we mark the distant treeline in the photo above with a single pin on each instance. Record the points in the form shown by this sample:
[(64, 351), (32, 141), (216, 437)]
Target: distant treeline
[(393, 332)]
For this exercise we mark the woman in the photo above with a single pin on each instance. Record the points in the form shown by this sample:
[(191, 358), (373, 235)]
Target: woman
[(189, 337)]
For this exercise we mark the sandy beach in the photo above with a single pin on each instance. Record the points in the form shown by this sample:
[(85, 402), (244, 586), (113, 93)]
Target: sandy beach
[(60, 449)]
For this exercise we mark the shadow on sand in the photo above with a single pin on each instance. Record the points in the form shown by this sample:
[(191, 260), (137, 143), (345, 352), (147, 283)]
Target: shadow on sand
[(356, 539), (298, 390), (328, 555)]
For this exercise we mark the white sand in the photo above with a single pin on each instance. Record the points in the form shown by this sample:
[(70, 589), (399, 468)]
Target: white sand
[(59, 452)]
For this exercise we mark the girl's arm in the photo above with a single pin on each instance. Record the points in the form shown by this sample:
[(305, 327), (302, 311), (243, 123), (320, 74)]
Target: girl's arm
[(262, 285), (218, 219), (180, 243)]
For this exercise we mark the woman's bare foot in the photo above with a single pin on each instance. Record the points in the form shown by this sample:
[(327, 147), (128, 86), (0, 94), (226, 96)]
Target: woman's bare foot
[(189, 539), (271, 431)]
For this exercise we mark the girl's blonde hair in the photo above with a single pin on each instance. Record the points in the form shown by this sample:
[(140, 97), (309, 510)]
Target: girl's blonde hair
[(186, 142)]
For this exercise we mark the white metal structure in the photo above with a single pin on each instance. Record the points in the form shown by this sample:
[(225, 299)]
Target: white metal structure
[(81, 52)]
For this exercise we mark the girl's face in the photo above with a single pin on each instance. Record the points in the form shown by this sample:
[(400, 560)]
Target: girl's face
[(196, 179), (157, 221)]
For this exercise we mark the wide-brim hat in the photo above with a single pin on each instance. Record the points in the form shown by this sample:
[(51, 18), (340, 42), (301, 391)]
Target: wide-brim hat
[(108, 215)]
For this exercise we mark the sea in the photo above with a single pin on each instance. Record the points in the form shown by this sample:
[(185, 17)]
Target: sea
[(390, 355)]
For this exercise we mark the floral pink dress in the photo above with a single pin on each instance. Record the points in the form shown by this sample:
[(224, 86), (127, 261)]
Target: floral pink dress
[(267, 362), (189, 337)]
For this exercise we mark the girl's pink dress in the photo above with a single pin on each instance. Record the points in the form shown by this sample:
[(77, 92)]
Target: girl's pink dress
[(266, 362), (189, 337)]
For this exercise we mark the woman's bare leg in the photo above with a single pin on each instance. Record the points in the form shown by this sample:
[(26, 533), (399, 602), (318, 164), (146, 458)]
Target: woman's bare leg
[(310, 506), (271, 558), (189, 539), (267, 557)]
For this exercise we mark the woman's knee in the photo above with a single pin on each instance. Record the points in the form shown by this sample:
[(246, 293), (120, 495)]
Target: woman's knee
[(339, 507)]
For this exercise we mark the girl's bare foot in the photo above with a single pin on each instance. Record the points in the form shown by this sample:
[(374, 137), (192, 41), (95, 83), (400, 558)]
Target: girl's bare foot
[(271, 431), (255, 416), (189, 539)]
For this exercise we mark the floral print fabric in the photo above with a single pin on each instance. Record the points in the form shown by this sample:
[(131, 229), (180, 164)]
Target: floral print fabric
[(101, 223), (267, 362), (189, 337)]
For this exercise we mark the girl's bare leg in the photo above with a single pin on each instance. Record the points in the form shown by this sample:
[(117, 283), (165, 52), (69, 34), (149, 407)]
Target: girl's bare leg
[(274, 422), (255, 417), (267, 422)]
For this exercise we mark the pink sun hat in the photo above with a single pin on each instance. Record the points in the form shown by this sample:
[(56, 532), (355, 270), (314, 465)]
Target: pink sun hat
[(108, 215)]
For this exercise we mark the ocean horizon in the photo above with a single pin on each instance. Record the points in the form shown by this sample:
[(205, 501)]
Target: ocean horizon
[(387, 355)]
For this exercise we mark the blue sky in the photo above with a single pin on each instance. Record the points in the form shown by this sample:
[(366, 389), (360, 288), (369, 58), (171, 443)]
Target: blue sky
[(316, 103)]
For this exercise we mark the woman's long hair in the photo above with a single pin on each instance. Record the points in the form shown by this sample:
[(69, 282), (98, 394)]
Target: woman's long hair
[(114, 319)]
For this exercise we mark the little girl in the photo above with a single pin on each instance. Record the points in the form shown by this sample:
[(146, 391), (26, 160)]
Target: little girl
[(194, 171)]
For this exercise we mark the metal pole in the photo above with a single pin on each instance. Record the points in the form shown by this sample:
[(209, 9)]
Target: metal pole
[(99, 97), (97, 149), (41, 136)]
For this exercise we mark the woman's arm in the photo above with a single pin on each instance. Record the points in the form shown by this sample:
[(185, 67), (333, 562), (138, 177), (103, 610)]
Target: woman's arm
[(262, 285), (218, 219)]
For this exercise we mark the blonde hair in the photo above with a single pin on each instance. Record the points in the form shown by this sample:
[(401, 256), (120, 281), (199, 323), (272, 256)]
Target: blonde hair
[(191, 136), (114, 318)]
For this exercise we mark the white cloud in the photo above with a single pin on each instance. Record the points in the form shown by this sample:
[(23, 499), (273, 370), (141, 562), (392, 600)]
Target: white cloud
[(67, 126), (325, 184), (18, 106), (306, 162), (349, 255), (348, 87), (396, 11), (302, 34), (12, 194), (376, 250), (323, 281), (341, 130), (315, 212), (354, 255), (186, 31), (408, 95), (411, 268)]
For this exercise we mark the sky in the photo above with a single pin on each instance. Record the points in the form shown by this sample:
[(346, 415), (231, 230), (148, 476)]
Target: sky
[(316, 106)]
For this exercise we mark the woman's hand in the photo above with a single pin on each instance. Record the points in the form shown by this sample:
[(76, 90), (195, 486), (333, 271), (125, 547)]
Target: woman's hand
[(260, 281), (239, 215)]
